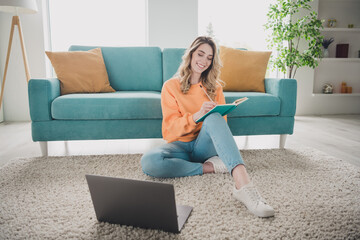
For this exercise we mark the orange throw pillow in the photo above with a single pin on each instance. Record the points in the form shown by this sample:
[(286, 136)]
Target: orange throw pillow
[(243, 71), (81, 71)]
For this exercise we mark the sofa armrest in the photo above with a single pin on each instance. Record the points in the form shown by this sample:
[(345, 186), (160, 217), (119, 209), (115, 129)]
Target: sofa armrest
[(41, 94), (286, 90)]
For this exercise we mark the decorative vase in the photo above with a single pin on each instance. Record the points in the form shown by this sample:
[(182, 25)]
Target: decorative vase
[(328, 88), (325, 53)]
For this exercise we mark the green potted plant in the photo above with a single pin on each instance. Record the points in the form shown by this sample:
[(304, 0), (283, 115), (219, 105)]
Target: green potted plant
[(288, 25)]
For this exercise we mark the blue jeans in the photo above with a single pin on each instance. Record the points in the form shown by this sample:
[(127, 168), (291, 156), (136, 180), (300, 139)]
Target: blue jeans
[(180, 159)]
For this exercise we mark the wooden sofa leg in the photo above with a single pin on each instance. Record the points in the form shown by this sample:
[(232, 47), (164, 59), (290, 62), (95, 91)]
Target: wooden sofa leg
[(44, 149), (282, 141)]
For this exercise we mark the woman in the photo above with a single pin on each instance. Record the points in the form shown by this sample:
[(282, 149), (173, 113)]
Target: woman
[(200, 148)]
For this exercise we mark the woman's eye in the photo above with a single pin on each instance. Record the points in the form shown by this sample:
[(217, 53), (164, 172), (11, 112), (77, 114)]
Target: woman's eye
[(200, 55)]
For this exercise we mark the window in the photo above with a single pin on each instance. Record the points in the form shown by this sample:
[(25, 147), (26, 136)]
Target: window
[(97, 23), (235, 23)]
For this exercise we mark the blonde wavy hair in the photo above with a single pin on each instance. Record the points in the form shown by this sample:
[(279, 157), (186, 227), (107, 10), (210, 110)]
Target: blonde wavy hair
[(210, 77)]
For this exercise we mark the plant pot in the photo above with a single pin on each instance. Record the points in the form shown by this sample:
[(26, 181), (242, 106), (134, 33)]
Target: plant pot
[(326, 53)]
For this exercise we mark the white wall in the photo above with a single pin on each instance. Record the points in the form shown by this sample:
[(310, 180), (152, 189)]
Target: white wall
[(1, 110), (172, 23)]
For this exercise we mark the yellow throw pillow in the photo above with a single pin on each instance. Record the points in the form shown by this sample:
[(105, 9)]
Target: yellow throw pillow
[(243, 71), (80, 71)]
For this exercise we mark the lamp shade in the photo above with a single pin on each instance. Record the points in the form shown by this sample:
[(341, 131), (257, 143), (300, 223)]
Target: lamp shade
[(18, 6)]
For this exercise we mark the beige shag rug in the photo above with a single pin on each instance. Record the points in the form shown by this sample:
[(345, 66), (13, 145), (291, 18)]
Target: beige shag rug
[(314, 196)]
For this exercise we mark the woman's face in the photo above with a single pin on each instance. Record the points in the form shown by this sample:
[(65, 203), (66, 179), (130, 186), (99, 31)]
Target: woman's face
[(201, 59)]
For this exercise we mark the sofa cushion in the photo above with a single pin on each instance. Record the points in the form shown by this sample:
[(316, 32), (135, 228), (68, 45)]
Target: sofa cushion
[(80, 71), (118, 105), (243, 70), (131, 68), (146, 105), (258, 104)]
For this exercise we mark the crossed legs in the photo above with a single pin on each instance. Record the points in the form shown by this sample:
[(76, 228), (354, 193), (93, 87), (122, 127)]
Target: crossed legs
[(179, 159)]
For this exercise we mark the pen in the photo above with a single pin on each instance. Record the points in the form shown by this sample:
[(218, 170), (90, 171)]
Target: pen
[(207, 94)]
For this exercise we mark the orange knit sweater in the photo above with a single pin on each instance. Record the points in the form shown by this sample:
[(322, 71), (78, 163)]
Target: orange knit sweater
[(178, 110)]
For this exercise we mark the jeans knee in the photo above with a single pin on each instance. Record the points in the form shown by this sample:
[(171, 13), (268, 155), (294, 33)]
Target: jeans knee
[(151, 163), (213, 118)]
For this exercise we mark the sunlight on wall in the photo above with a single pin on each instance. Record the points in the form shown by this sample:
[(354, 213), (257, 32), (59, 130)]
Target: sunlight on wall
[(97, 23), (235, 23)]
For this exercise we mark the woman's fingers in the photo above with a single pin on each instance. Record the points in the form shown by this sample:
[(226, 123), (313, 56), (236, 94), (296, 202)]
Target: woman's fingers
[(207, 106)]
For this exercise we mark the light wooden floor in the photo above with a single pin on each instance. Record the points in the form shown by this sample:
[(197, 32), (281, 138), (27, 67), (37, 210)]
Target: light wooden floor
[(336, 135)]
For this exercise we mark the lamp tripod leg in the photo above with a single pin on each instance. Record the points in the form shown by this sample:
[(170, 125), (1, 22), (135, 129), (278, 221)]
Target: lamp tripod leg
[(27, 71), (13, 23)]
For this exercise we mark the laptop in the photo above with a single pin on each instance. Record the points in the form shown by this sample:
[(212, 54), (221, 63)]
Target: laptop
[(137, 203)]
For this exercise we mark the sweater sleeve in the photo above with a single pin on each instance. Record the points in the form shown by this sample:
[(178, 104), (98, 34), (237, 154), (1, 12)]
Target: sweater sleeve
[(175, 123), (220, 98)]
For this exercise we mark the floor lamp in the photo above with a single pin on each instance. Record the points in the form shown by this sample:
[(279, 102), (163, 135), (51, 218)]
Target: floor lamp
[(15, 7)]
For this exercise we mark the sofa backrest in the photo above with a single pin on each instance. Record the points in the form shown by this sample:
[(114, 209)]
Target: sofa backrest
[(131, 68), (172, 58)]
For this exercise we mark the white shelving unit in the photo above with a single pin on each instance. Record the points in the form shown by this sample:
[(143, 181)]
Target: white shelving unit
[(340, 60), (336, 95), (341, 29), (336, 70)]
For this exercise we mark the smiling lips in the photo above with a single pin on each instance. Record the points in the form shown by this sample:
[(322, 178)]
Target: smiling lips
[(200, 66)]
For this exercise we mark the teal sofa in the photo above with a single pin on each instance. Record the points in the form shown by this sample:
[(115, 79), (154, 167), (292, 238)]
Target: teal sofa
[(134, 111)]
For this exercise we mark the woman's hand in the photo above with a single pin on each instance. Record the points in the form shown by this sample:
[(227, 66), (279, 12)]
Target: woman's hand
[(206, 107)]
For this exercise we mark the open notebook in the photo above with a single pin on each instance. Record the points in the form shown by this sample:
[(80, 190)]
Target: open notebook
[(223, 109)]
